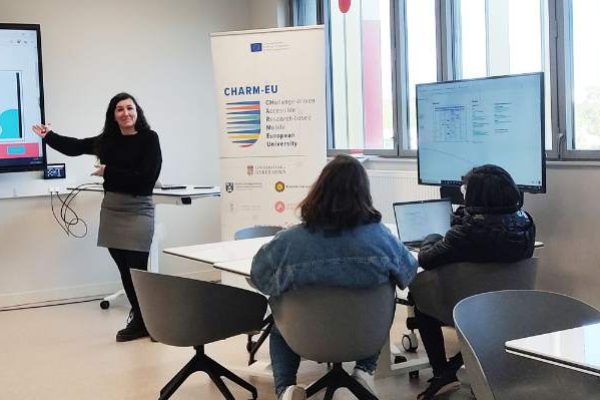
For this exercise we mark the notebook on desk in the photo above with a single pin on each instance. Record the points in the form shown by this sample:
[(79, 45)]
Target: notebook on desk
[(417, 219)]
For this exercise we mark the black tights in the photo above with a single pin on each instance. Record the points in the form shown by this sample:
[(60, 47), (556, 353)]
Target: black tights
[(125, 260), (433, 340)]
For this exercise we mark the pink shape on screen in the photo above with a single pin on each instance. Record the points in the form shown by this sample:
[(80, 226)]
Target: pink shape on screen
[(19, 150)]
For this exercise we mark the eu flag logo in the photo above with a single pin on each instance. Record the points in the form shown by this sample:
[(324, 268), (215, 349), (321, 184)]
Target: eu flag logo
[(255, 47)]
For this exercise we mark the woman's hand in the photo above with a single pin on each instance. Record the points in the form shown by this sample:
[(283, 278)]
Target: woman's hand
[(41, 130), (99, 170)]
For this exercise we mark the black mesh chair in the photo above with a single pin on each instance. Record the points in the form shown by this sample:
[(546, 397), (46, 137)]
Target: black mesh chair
[(191, 313), (485, 322), (335, 325)]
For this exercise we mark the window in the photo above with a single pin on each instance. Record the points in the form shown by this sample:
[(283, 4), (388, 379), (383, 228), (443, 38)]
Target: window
[(421, 54), (584, 59), (361, 75), (305, 12), (502, 38), (380, 49)]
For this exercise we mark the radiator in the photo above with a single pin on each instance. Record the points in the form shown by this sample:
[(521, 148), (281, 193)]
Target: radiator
[(388, 187)]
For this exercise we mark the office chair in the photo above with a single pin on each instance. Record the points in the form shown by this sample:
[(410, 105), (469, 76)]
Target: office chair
[(335, 325), (486, 321), (437, 291), (187, 312), (252, 345), (256, 231)]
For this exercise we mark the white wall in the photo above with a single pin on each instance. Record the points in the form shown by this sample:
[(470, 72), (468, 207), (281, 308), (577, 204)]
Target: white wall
[(160, 52), (268, 13)]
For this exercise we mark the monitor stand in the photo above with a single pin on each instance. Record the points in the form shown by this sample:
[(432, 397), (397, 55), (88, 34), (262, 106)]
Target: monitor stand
[(456, 196), (453, 193)]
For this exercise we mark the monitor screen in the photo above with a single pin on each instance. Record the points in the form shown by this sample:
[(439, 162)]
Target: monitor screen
[(417, 219), (21, 98), (468, 123)]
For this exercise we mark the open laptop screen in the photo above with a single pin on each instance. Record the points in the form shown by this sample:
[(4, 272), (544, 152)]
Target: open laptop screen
[(417, 219)]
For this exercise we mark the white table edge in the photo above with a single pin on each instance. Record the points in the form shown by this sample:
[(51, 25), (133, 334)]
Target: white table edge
[(551, 360)]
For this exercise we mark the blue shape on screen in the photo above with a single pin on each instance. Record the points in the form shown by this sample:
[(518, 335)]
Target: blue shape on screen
[(9, 124), (255, 47), (14, 150)]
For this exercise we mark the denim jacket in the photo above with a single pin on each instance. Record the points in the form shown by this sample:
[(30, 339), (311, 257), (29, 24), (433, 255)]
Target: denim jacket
[(367, 255)]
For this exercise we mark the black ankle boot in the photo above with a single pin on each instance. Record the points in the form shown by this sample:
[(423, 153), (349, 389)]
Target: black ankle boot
[(135, 329)]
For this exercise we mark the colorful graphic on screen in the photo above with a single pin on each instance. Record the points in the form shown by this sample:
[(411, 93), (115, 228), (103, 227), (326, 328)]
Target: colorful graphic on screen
[(243, 122), (10, 106)]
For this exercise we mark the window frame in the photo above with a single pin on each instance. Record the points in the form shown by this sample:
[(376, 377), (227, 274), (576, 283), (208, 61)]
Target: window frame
[(447, 21)]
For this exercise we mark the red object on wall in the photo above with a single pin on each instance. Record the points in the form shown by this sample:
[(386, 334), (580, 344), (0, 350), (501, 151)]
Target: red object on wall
[(344, 5)]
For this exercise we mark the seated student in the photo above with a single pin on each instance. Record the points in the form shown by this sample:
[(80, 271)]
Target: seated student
[(340, 242), (491, 227)]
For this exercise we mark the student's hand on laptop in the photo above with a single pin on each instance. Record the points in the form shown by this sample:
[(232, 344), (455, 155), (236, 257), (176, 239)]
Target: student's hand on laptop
[(432, 238)]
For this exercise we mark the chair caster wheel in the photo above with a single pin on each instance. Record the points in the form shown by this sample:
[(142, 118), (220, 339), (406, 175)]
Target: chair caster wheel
[(413, 375), (410, 343), (104, 304)]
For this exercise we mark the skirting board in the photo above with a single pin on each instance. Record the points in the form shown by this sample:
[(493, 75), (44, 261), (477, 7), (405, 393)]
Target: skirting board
[(37, 298)]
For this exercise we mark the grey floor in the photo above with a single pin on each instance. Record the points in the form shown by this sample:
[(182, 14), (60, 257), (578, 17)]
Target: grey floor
[(68, 352)]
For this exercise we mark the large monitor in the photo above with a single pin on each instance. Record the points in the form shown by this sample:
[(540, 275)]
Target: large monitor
[(468, 123), (21, 98)]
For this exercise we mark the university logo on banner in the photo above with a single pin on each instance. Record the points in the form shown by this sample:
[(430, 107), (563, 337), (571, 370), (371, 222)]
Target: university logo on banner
[(243, 122)]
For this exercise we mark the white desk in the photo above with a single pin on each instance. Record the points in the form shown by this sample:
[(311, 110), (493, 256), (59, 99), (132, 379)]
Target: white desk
[(234, 259), (577, 348), (160, 196), (212, 253)]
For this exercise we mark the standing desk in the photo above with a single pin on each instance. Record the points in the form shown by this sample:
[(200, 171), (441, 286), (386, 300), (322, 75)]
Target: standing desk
[(159, 196), (577, 348)]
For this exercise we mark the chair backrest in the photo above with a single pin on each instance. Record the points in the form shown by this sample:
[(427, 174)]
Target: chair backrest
[(486, 321), (256, 231), (436, 292), (188, 312), (332, 324)]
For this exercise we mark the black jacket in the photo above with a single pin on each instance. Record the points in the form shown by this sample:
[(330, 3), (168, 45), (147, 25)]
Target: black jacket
[(480, 235)]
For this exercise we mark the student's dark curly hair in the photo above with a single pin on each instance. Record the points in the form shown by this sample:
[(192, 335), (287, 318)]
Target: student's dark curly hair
[(491, 189), (340, 198), (111, 127)]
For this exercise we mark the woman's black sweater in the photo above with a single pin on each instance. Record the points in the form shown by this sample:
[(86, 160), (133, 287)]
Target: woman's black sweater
[(132, 162)]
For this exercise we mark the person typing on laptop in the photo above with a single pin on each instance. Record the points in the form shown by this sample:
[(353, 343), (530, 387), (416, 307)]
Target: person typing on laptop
[(491, 227)]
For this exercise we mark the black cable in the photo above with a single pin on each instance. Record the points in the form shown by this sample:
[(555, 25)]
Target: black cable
[(68, 217)]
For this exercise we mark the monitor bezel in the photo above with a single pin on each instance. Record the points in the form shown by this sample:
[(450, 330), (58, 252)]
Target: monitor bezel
[(523, 188), (37, 166)]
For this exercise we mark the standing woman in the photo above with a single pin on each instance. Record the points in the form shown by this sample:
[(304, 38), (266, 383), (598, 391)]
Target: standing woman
[(130, 159)]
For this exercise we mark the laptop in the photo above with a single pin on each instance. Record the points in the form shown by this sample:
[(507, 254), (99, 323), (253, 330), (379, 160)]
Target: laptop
[(417, 219)]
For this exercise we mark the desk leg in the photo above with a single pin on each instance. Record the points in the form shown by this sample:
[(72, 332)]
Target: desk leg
[(155, 246)]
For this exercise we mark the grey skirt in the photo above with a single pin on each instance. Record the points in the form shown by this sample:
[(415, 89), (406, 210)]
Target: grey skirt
[(126, 222)]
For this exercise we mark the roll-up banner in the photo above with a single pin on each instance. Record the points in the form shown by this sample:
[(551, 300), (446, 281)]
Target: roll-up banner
[(270, 87)]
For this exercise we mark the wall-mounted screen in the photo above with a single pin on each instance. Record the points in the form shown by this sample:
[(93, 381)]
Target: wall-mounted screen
[(468, 123), (21, 98)]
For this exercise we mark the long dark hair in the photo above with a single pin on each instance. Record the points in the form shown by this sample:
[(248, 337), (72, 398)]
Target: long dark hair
[(491, 189), (340, 198), (111, 128)]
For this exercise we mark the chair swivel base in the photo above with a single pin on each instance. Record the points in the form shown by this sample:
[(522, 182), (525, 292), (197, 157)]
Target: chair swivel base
[(338, 378), (203, 363)]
